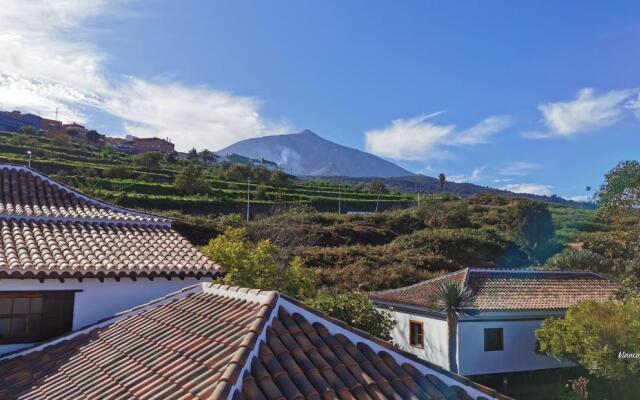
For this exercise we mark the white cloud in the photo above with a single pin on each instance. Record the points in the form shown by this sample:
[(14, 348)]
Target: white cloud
[(530, 188), (634, 105), (47, 63), (579, 198), (476, 175), (418, 138), (588, 112), (518, 168)]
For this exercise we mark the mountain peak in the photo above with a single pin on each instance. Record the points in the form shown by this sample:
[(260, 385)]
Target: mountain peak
[(307, 153), (308, 132)]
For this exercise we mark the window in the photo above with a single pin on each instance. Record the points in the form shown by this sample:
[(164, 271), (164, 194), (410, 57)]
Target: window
[(416, 334), (34, 316), (493, 339)]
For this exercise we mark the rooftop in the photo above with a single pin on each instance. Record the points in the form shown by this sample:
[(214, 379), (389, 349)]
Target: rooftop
[(509, 290), (212, 341), (48, 229)]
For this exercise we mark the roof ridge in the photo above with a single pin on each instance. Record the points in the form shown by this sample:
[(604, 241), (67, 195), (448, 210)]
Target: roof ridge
[(242, 360), (437, 278), (535, 271), (159, 220)]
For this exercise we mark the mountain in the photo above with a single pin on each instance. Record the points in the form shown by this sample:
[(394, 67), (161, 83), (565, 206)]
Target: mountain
[(306, 153)]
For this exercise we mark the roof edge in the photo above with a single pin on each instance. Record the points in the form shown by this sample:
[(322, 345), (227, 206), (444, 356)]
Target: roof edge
[(162, 221), (104, 322)]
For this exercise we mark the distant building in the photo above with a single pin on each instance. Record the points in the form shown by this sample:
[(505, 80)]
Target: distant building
[(145, 145), (51, 124), (507, 308), (13, 121), (234, 158)]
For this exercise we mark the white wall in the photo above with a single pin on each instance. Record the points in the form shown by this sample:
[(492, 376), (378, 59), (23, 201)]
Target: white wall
[(97, 299), (435, 337), (518, 354)]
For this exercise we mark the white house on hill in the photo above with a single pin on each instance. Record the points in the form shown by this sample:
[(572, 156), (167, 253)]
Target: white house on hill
[(68, 260), (508, 306)]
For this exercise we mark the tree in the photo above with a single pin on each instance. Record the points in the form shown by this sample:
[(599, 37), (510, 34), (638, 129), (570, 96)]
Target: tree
[(533, 228), (193, 155), (191, 180), (206, 156), (93, 137), (279, 178), (455, 301), (442, 179), (171, 158), (257, 265), (28, 130), (378, 186), (621, 187), (150, 160), (598, 336), (355, 309)]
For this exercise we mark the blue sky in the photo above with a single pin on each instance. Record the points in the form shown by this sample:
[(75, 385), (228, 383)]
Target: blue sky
[(532, 96)]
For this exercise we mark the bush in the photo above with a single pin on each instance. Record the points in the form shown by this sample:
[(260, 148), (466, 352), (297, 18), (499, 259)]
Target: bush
[(259, 265), (191, 180), (150, 160), (356, 310), (437, 213)]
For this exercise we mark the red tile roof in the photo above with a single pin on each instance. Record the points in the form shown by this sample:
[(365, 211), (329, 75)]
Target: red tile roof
[(48, 229), (213, 342), (510, 290)]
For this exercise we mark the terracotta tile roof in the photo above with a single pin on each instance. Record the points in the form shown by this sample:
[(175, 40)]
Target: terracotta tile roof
[(27, 193), (512, 290), (47, 229), (215, 342)]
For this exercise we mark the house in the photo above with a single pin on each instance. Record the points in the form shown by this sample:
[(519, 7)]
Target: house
[(212, 341), (508, 306), (145, 145), (68, 260), (51, 124), (13, 121)]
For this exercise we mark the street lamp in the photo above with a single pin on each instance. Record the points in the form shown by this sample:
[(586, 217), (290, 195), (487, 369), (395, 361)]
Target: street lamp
[(29, 153)]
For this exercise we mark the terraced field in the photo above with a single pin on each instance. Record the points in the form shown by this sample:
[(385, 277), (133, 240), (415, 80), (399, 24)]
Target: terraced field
[(120, 179)]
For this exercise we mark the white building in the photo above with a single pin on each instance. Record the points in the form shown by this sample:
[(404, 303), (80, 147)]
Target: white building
[(68, 260), (508, 306)]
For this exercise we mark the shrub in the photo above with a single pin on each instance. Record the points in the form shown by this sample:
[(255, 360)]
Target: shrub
[(356, 310), (191, 180), (258, 265), (150, 160)]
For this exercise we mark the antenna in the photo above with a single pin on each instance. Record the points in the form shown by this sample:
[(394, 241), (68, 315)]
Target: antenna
[(56, 113)]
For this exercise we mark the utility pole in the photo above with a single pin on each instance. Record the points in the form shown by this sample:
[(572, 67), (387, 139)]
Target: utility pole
[(248, 198), (29, 153), (56, 113), (339, 199)]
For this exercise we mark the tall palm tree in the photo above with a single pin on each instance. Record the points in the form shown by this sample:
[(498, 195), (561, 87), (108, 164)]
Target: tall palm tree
[(442, 180), (455, 300)]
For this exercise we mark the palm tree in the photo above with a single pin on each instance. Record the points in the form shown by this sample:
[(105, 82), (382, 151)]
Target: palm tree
[(442, 180), (455, 300)]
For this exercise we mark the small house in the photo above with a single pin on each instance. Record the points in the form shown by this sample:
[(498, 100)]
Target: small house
[(507, 307)]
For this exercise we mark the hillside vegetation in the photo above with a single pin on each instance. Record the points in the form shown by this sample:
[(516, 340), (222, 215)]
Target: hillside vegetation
[(443, 234), (149, 183)]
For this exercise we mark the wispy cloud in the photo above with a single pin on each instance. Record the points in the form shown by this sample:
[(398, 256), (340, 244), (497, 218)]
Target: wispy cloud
[(531, 188), (477, 175), (587, 113), (419, 138), (49, 65), (518, 168)]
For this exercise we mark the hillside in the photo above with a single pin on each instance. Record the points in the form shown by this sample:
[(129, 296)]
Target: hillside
[(123, 180), (426, 184), (306, 153)]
